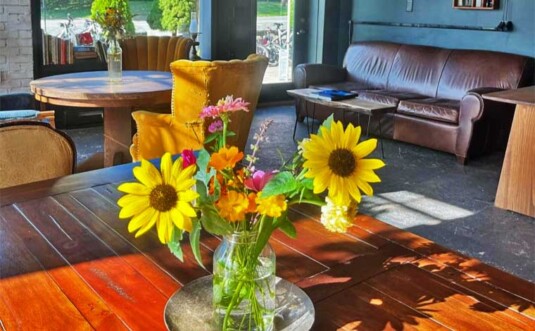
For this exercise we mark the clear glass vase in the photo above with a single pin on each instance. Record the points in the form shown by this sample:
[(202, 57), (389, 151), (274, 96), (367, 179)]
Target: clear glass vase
[(243, 284), (115, 61)]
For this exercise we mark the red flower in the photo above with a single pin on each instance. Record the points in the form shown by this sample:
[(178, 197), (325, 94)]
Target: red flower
[(188, 157)]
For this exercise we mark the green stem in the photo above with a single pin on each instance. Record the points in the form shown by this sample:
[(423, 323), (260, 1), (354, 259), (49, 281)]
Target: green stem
[(224, 118), (311, 202)]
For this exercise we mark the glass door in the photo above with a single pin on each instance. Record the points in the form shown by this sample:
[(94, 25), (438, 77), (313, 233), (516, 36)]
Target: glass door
[(277, 38)]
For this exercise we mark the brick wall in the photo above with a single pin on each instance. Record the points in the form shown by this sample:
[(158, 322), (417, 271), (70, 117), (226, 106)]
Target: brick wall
[(16, 54)]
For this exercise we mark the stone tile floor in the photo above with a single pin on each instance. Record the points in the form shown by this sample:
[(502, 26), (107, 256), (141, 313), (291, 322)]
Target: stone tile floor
[(422, 191)]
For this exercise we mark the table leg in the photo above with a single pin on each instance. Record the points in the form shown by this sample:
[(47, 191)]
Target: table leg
[(118, 130), (516, 189), (296, 116), (381, 136)]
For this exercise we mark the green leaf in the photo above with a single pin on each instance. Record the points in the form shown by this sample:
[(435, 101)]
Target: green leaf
[(174, 244), (308, 183), (202, 164), (212, 221), (327, 123), (195, 241), (287, 227), (211, 137), (265, 231), (281, 183)]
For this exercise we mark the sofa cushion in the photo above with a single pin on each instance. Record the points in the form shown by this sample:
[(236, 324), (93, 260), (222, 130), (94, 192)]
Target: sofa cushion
[(344, 86), (417, 69), (388, 97), (431, 108), (470, 69), (369, 63)]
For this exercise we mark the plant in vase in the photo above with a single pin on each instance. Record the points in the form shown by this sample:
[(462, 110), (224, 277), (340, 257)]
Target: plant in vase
[(222, 192), (113, 21)]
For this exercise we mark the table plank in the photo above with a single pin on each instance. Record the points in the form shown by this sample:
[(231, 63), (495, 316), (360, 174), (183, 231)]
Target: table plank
[(415, 288), (124, 289), (364, 308), (22, 279), (90, 305)]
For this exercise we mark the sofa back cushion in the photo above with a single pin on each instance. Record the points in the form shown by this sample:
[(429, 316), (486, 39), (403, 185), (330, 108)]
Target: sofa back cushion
[(369, 63), (417, 69), (469, 69)]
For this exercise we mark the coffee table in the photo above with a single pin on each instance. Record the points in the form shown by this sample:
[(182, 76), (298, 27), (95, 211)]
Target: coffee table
[(137, 90), (355, 105)]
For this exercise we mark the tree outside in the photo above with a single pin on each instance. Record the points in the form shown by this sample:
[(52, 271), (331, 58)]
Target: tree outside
[(171, 15)]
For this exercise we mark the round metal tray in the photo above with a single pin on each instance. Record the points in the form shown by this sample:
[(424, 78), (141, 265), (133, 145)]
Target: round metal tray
[(190, 308)]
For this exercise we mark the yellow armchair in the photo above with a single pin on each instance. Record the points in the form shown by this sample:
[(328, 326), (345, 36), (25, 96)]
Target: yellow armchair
[(196, 85), (154, 52)]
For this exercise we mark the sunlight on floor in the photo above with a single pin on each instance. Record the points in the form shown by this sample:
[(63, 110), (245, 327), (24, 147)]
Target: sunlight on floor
[(406, 209)]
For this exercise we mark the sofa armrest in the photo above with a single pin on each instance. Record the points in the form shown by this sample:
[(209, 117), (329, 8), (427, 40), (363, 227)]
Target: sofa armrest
[(474, 109), (17, 101), (314, 74)]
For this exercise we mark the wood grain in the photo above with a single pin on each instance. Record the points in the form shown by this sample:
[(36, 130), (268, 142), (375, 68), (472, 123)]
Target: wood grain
[(67, 262), (137, 90)]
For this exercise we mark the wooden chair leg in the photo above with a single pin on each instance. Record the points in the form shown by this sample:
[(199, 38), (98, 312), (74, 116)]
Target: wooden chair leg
[(461, 160), (48, 115)]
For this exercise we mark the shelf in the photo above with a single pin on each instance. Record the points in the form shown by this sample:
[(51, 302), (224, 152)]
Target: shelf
[(476, 4)]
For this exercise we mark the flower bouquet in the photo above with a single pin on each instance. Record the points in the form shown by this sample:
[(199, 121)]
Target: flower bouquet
[(113, 23), (221, 191)]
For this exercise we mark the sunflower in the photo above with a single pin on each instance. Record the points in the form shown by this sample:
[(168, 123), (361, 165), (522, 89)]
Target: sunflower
[(335, 160), (162, 199)]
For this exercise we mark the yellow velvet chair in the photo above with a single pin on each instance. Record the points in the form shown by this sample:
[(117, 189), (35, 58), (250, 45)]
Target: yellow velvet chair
[(196, 85), (154, 52)]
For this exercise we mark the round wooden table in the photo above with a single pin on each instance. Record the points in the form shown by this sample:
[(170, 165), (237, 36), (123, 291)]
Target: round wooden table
[(137, 90)]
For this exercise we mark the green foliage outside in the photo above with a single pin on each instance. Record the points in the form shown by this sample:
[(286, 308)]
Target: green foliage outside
[(271, 8), (99, 8), (171, 15)]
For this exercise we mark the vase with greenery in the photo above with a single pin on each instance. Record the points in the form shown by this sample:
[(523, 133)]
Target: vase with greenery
[(113, 20), (220, 190)]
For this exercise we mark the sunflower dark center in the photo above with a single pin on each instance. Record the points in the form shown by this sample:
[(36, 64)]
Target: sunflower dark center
[(342, 162), (163, 197)]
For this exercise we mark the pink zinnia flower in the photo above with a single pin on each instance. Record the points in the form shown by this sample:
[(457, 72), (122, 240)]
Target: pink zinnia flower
[(258, 181), (225, 105), (215, 126), (188, 158)]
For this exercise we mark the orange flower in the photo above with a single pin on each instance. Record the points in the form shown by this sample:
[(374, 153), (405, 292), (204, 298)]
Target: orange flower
[(233, 206), (252, 203), (225, 158), (272, 206)]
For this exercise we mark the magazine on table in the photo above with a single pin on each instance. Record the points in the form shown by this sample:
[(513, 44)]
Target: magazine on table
[(334, 95)]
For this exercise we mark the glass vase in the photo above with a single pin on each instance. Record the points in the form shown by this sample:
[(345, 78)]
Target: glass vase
[(243, 284), (115, 61)]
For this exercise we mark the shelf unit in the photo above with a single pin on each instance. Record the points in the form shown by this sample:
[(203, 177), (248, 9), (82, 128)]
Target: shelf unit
[(476, 4)]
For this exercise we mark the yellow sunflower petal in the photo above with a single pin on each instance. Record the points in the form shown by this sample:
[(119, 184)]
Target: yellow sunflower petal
[(140, 219), (129, 199), (186, 209), (368, 176), (162, 226), (134, 188), (365, 187), (134, 208), (147, 174), (149, 224), (370, 164), (365, 148), (179, 219), (166, 164), (176, 168)]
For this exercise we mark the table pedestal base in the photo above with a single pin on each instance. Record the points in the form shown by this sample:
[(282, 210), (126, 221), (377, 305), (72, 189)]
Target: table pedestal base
[(118, 131)]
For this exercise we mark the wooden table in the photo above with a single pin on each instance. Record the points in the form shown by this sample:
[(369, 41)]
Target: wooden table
[(67, 262), (137, 90), (516, 189), (355, 105)]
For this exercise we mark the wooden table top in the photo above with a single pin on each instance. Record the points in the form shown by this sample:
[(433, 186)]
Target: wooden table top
[(96, 90), (354, 104), (67, 262), (522, 96)]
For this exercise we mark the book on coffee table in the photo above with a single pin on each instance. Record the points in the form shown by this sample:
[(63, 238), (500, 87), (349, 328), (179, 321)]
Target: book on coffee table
[(334, 95)]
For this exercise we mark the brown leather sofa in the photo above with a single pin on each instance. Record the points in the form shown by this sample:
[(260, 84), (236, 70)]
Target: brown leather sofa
[(437, 91)]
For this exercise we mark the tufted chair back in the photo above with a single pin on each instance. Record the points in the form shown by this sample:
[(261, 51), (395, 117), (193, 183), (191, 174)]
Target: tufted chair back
[(197, 84), (154, 52)]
